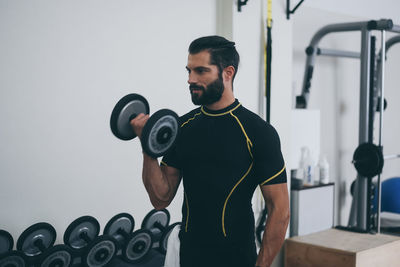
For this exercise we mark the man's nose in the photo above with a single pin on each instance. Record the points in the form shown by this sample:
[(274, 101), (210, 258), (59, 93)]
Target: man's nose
[(192, 79)]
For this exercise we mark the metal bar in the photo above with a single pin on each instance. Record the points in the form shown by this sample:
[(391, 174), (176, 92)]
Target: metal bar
[(392, 41), (382, 91), (363, 124), (393, 156), (296, 7), (337, 53), (395, 28)]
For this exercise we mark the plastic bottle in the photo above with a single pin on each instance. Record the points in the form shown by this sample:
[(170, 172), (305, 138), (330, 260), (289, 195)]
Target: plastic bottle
[(306, 167), (323, 166)]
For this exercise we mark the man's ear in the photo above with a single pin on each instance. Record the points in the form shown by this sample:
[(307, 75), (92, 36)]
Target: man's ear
[(228, 73)]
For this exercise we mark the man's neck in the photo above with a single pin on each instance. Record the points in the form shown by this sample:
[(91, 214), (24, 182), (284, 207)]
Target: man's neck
[(227, 99)]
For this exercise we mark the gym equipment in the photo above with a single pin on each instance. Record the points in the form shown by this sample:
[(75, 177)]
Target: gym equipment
[(260, 227), (13, 258), (82, 236), (157, 221), (6, 241), (368, 159), (163, 243), (361, 215), (124, 111), (8, 257), (135, 246), (59, 256), (160, 131), (36, 240)]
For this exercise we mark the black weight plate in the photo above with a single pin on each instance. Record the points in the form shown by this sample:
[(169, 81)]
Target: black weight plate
[(85, 225), (164, 237), (368, 160), (121, 222), (160, 133), (138, 246), (6, 242), (127, 107), (38, 233), (100, 252), (57, 256), (13, 259), (154, 218)]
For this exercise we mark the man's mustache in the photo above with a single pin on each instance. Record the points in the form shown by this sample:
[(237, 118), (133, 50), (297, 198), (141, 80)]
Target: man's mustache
[(196, 87)]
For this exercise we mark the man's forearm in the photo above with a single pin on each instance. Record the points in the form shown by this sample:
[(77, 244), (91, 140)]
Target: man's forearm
[(273, 238)]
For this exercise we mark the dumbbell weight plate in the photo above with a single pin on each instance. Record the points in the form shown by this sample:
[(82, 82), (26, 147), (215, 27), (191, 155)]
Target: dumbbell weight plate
[(127, 107), (368, 160), (122, 221), (85, 224), (160, 133), (164, 237), (13, 259), (100, 251), (57, 256), (6, 242), (43, 232), (156, 216), (138, 246)]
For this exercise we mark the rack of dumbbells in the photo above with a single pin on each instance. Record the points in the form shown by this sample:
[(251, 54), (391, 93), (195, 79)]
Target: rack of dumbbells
[(120, 245)]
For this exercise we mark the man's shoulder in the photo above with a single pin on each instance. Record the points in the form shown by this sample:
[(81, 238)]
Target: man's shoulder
[(254, 123), (189, 116)]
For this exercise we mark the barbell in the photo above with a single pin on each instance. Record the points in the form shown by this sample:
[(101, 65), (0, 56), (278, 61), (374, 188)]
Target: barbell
[(160, 131), (368, 159)]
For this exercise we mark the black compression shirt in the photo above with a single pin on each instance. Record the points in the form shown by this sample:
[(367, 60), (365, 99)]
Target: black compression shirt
[(223, 156)]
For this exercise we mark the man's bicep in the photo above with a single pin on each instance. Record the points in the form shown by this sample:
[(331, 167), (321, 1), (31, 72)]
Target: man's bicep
[(276, 196), (173, 175)]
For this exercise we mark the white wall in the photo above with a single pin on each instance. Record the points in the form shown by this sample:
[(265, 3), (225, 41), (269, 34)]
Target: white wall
[(64, 65)]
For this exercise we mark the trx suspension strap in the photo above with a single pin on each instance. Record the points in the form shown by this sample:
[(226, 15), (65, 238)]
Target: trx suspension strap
[(268, 60)]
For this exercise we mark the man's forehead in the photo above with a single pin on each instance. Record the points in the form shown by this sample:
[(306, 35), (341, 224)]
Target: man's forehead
[(199, 59)]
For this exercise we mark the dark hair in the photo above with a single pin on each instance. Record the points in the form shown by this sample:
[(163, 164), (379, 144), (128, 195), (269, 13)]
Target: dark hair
[(222, 51)]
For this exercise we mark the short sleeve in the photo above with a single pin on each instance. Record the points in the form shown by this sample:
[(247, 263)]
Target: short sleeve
[(171, 158), (268, 160)]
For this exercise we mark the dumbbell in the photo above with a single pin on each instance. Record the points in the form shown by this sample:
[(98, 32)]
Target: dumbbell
[(159, 133), (37, 241), (9, 257), (135, 245), (157, 221), (93, 250)]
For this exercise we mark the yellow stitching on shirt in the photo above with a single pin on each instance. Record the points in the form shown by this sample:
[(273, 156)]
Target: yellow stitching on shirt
[(226, 201), (190, 119), (269, 179), (220, 114), (249, 143)]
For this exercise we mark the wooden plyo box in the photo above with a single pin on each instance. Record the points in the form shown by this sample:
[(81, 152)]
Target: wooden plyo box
[(338, 248)]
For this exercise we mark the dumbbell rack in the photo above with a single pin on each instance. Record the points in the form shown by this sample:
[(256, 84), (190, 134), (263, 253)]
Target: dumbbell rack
[(83, 245)]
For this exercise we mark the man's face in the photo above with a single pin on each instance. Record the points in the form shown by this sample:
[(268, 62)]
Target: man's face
[(205, 82)]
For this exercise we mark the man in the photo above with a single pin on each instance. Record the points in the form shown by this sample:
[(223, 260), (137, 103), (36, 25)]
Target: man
[(223, 153)]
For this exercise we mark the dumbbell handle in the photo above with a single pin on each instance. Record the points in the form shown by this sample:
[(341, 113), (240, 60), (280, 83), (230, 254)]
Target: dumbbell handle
[(393, 156), (131, 117), (39, 244), (83, 235), (159, 226), (122, 232)]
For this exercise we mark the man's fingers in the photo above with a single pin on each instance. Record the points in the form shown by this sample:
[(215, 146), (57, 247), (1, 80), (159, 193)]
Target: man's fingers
[(138, 123)]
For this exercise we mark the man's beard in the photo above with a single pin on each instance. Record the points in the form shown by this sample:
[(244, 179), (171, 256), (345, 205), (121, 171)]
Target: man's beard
[(211, 94)]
